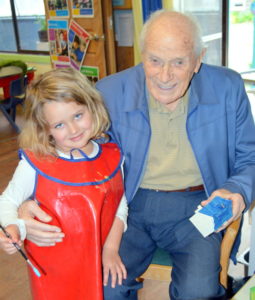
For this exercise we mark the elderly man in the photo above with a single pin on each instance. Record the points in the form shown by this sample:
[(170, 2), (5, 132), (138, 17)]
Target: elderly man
[(187, 134)]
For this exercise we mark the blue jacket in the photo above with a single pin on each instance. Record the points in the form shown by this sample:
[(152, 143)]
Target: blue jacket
[(219, 124)]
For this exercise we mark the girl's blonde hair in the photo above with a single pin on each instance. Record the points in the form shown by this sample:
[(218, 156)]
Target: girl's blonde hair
[(60, 85)]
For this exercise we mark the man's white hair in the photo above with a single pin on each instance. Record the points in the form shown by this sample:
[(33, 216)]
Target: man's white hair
[(195, 28)]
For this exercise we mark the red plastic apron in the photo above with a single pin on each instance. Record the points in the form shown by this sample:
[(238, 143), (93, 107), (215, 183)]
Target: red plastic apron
[(82, 197)]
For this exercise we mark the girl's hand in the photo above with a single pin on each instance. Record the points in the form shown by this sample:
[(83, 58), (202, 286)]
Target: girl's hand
[(113, 265), (6, 243)]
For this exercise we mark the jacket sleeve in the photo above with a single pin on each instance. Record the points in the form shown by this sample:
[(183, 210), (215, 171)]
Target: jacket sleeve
[(242, 179)]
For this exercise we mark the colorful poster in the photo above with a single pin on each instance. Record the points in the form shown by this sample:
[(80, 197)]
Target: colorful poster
[(78, 41), (58, 40), (58, 8), (82, 8), (92, 73)]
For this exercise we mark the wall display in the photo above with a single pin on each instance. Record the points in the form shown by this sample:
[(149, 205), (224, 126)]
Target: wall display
[(82, 8), (95, 17), (92, 73), (58, 8), (78, 41), (58, 41)]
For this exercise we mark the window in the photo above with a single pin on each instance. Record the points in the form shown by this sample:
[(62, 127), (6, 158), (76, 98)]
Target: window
[(241, 50), (209, 16), (20, 21)]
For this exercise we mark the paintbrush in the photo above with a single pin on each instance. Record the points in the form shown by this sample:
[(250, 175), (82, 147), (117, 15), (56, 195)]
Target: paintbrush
[(36, 271)]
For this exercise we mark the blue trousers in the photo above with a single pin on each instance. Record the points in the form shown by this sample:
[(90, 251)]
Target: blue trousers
[(161, 219)]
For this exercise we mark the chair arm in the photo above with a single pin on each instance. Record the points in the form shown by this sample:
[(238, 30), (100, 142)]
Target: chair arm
[(226, 247)]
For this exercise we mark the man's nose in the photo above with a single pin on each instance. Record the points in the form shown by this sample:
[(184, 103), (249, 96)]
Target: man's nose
[(166, 73)]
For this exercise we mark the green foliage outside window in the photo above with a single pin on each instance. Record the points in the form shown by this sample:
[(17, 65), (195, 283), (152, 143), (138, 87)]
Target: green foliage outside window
[(42, 21), (241, 17)]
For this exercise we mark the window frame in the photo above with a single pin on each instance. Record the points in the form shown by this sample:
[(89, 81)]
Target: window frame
[(17, 36)]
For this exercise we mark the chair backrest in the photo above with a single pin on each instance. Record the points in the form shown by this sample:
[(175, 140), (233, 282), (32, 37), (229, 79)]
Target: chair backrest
[(17, 87), (16, 96)]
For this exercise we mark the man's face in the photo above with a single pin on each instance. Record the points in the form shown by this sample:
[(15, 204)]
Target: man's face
[(169, 63)]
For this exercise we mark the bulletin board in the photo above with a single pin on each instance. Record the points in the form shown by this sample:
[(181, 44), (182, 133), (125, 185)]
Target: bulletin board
[(87, 15)]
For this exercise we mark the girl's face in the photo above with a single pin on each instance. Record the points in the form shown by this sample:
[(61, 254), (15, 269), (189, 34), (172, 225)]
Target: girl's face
[(70, 125)]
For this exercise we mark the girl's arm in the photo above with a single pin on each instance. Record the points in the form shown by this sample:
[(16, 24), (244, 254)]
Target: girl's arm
[(18, 190), (112, 263), (122, 211)]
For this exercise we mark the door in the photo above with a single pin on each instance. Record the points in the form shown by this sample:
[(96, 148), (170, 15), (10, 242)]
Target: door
[(101, 50)]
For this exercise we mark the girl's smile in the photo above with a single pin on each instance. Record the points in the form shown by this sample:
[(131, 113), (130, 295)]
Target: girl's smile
[(70, 125)]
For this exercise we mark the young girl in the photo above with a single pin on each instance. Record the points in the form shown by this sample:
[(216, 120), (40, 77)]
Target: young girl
[(77, 181)]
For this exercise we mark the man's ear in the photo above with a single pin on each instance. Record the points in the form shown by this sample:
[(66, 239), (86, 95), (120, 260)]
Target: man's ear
[(199, 60)]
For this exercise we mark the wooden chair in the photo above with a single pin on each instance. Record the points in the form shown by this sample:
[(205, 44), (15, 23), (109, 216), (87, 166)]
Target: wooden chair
[(160, 267)]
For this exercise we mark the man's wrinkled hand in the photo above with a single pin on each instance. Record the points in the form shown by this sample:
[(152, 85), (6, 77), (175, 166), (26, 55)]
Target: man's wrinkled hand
[(238, 204), (38, 232)]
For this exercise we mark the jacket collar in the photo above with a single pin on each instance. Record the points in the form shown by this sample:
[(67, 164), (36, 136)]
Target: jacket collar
[(135, 90), (201, 89)]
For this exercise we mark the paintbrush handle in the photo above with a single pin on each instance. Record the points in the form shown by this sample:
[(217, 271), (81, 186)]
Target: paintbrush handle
[(7, 234), (20, 250)]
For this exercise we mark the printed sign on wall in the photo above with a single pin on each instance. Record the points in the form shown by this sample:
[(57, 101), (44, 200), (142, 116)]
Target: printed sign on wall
[(58, 41), (78, 40), (82, 8)]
